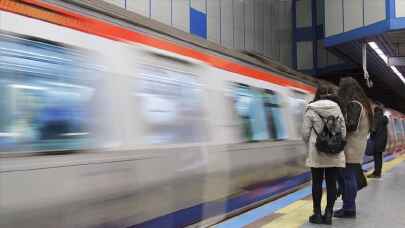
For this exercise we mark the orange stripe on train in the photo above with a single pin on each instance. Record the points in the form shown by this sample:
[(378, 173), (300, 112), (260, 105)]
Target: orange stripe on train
[(57, 15)]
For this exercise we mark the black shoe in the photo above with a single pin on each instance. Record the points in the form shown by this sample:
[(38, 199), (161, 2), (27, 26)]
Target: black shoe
[(316, 219), (344, 214), (327, 218)]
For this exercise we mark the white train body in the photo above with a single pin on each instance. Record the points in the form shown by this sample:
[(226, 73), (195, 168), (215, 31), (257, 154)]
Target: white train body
[(151, 131)]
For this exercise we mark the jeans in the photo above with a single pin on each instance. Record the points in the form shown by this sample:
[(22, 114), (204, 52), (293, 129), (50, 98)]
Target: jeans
[(330, 175), (349, 187), (378, 161)]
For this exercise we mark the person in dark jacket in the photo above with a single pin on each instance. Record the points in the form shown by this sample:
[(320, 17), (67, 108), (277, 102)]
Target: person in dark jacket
[(379, 136)]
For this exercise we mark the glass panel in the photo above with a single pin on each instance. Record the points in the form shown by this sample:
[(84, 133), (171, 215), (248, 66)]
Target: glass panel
[(403, 126), (397, 127), (44, 94), (297, 106), (274, 115), (170, 105), (260, 113)]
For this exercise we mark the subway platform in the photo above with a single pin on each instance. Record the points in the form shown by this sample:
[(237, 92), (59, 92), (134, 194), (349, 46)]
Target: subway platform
[(380, 204)]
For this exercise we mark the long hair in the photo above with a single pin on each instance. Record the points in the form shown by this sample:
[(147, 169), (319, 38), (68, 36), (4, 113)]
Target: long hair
[(349, 90)]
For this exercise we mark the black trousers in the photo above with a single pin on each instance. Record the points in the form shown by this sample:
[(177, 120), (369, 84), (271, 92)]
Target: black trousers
[(378, 162), (330, 176)]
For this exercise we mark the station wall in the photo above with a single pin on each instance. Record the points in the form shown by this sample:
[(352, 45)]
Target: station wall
[(346, 15), (311, 55), (261, 26)]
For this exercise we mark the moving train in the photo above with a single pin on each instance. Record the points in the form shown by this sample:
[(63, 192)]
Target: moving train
[(106, 126)]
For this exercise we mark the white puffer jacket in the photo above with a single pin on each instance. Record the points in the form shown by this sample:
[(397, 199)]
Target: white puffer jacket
[(312, 118)]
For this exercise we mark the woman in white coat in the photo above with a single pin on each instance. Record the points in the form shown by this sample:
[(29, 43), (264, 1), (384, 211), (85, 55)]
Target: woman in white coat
[(323, 165)]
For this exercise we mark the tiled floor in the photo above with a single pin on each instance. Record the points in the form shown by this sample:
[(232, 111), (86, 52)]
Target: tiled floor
[(381, 204)]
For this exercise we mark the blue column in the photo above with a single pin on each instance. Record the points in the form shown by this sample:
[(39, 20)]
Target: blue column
[(198, 23), (390, 9)]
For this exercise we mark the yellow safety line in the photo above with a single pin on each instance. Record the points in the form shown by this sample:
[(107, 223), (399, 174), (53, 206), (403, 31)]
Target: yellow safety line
[(296, 214)]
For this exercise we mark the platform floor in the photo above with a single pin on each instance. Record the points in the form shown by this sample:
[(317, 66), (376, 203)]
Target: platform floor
[(380, 204)]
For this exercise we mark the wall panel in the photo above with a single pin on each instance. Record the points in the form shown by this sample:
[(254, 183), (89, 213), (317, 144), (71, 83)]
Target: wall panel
[(374, 11), (304, 55), (213, 21), (259, 26), (275, 30), (181, 14), (141, 7), (120, 3), (249, 25), (239, 24), (285, 21), (161, 10), (268, 24), (400, 8), (334, 17), (227, 23), (199, 5), (353, 14), (304, 13)]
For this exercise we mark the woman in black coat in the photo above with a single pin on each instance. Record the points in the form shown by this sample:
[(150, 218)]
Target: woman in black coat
[(379, 136)]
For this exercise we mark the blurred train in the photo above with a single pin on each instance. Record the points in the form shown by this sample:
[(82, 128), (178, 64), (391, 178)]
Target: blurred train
[(103, 126)]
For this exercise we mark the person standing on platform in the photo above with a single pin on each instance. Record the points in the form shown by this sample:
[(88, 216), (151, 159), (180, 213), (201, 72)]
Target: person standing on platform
[(359, 117), (323, 165), (379, 137)]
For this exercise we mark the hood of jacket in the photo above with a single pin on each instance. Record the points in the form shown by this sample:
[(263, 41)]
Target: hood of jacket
[(325, 108)]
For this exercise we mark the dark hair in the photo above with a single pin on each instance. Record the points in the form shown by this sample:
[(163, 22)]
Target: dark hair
[(326, 92), (349, 90), (323, 91)]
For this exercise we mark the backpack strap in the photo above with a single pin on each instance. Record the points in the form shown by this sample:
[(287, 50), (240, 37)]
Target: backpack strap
[(335, 119), (322, 119)]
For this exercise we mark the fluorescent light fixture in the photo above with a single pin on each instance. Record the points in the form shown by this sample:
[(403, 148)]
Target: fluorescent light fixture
[(373, 45), (382, 55), (384, 58), (379, 52), (398, 73)]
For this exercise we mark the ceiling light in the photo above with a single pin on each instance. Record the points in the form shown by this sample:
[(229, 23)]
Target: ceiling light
[(382, 55)]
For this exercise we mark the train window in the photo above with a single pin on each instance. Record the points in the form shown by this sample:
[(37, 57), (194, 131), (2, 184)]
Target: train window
[(403, 126), (42, 98), (297, 104), (398, 127), (274, 118), (259, 111), (170, 104)]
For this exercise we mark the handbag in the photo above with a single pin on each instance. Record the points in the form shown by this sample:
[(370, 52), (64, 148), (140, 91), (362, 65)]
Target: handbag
[(370, 147), (360, 177)]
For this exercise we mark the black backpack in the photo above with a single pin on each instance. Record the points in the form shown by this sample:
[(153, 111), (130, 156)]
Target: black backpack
[(330, 140)]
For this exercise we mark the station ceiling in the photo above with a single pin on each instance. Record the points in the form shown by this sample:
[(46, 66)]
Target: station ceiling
[(387, 88)]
